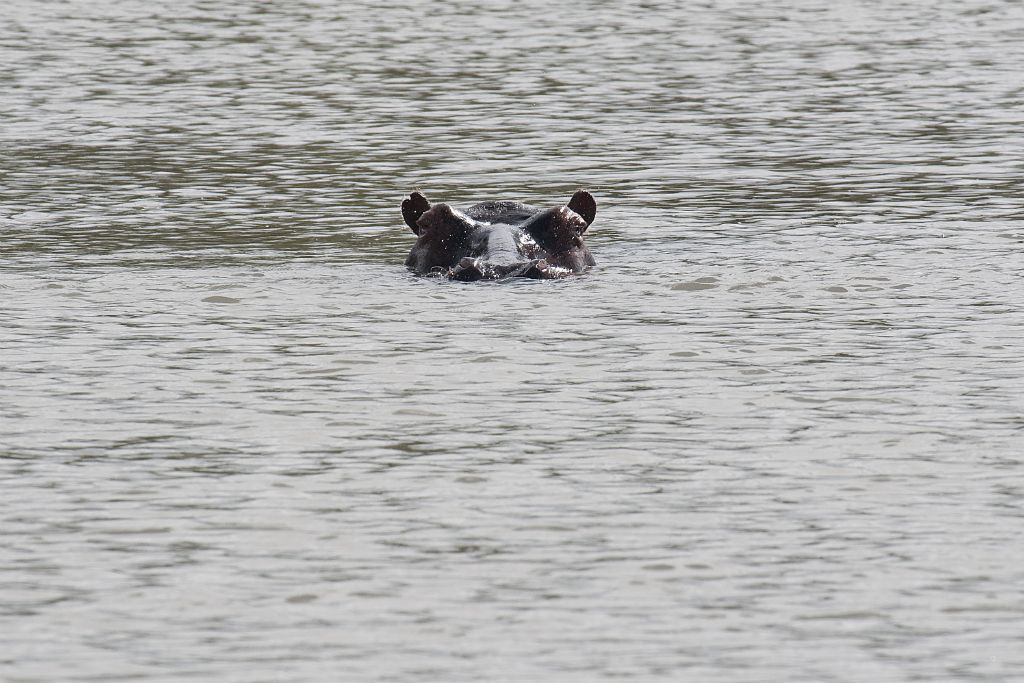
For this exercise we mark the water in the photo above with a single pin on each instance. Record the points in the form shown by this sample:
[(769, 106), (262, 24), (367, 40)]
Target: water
[(774, 436)]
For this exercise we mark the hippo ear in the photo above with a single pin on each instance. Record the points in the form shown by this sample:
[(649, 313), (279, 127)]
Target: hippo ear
[(414, 207), (583, 203)]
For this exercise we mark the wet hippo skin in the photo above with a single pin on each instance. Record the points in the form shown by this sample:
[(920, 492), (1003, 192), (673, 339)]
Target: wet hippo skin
[(499, 239)]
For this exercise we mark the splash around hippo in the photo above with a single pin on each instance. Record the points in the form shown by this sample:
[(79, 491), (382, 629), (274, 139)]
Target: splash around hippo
[(499, 239)]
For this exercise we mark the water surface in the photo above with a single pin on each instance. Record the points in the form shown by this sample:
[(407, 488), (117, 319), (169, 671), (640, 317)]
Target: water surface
[(774, 436)]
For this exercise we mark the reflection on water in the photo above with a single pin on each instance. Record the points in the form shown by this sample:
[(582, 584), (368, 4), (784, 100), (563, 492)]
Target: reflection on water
[(774, 435)]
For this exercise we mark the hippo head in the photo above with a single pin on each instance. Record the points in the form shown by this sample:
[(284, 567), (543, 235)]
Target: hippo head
[(499, 239)]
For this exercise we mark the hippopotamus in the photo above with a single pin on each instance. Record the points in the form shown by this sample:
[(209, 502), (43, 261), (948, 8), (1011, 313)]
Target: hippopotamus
[(499, 239)]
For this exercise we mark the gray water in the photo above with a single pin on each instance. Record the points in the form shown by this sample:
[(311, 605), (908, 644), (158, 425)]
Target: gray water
[(774, 436)]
